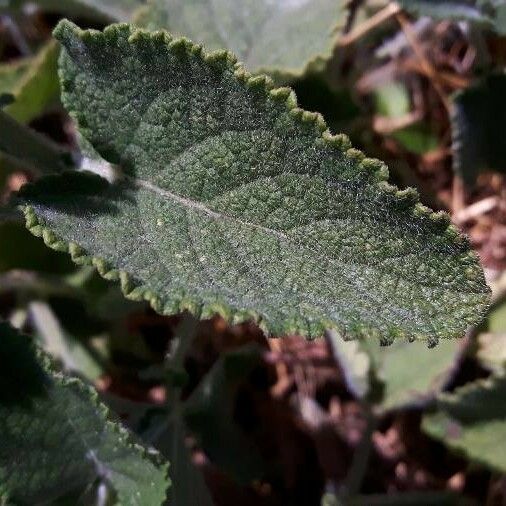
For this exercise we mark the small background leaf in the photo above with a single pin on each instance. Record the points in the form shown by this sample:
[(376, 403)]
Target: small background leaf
[(281, 37), (33, 82), (412, 374), (472, 420), (103, 10), (56, 438), (354, 362), (492, 343), (480, 11)]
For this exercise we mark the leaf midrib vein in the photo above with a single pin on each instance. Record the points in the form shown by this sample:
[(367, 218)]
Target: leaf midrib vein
[(198, 206)]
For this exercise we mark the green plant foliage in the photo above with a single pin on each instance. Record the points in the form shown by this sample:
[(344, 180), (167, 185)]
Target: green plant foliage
[(393, 101), (102, 10), (478, 117), (66, 348), (283, 38), (500, 16), (492, 344), (30, 150), (208, 413), (191, 487), (57, 439), (232, 200), (472, 420), (33, 82), (479, 11), (29, 254), (406, 385)]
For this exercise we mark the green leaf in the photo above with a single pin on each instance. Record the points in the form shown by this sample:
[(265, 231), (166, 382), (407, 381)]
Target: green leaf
[(492, 344), (102, 10), (393, 101), (479, 114), (70, 351), (479, 11), (27, 253), (284, 37), (496, 320), (31, 150), (33, 82), (57, 439), (232, 200), (500, 16), (406, 385), (472, 420)]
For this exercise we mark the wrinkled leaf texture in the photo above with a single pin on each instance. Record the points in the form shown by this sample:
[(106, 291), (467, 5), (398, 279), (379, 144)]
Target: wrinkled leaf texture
[(233, 200)]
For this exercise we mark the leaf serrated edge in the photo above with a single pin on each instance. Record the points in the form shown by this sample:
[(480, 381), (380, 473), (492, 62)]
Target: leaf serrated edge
[(125, 437), (109, 418), (50, 368), (225, 61)]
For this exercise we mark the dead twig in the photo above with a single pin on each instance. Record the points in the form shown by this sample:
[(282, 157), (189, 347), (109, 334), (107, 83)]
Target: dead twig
[(475, 210), (419, 52), (380, 17)]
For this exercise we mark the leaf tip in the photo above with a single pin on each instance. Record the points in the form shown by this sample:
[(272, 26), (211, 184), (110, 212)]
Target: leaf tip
[(64, 30)]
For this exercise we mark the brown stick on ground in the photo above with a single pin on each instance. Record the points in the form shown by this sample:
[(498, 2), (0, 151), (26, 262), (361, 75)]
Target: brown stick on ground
[(419, 52), (380, 17)]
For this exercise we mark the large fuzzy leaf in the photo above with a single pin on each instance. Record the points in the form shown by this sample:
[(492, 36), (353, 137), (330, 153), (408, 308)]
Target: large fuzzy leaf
[(233, 200), (56, 438), (477, 128), (281, 37), (473, 420)]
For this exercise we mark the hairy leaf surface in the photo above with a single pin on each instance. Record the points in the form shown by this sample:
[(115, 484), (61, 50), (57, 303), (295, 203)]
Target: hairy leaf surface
[(57, 439), (472, 420), (233, 200), (277, 37)]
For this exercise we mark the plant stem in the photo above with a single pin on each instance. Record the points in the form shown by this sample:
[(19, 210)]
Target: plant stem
[(30, 149), (358, 468), (176, 374)]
